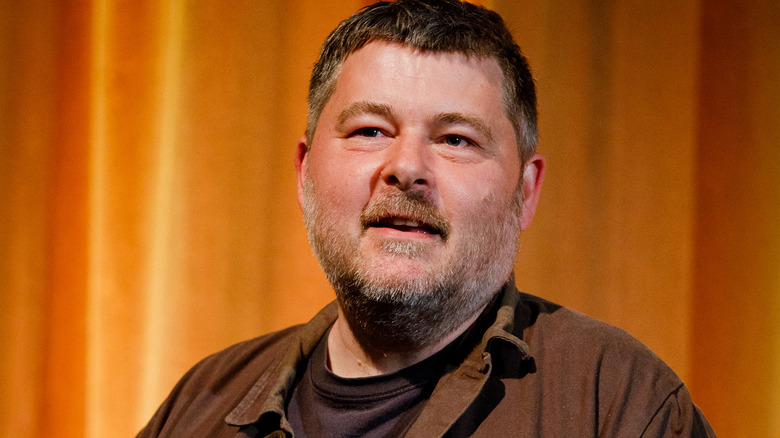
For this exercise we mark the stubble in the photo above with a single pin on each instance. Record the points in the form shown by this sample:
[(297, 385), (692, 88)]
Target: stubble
[(391, 312)]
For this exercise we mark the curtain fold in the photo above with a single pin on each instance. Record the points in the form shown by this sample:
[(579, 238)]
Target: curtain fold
[(148, 211)]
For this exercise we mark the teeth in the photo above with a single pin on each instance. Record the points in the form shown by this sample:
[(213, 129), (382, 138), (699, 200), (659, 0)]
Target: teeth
[(405, 222)]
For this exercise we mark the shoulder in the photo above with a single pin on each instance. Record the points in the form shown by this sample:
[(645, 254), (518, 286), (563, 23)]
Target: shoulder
[(216, 384), (602, 369), (560, 335), (547, 326), (250, 356)]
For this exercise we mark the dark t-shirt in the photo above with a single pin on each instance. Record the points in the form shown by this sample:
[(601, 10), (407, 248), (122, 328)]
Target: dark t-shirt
[(324, 404)]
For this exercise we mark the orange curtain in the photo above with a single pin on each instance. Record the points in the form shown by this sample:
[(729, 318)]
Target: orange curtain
[(148, 213)]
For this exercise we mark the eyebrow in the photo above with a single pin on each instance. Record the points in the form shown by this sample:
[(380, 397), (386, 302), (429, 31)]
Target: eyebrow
[(363, 107), (464, 119), (384, 110)]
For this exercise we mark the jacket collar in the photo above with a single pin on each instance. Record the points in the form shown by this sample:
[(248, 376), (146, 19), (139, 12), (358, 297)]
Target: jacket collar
[(268, 395), (464, 379), (465, 376)]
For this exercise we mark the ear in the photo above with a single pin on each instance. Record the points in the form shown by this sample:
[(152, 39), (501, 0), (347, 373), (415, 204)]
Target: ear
[(301, 155), (533, 175)]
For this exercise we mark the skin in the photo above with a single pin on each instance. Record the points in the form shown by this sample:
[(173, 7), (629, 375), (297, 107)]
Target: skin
[(434, 124)]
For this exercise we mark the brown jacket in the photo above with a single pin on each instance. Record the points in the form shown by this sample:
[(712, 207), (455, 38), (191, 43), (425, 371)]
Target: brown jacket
[(528, 368)]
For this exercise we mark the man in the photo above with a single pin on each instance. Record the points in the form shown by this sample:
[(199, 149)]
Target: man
[(416, 175)]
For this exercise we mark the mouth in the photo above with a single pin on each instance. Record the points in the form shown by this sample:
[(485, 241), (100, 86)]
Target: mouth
[(405, 215), (407, 225)]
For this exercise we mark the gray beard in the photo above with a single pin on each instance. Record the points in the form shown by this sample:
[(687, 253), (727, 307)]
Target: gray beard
[(406, 316), (390, 315)]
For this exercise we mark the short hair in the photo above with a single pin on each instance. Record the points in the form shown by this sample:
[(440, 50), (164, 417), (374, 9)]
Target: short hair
[(439, 26)]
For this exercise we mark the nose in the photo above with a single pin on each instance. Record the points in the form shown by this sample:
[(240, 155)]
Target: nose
[(407, 164)]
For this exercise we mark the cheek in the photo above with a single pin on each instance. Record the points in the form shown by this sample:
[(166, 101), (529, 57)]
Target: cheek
[(465, 205), (471, 205), (341, 185), (489, 188)]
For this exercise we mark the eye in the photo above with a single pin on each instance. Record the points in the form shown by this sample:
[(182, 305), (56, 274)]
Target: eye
[(457, 141), (367, 132)]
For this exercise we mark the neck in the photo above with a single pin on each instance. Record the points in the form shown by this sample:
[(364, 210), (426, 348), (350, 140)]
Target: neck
[(348, 357)]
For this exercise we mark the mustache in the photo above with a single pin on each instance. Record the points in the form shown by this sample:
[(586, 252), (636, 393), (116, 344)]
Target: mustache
[(411, 205)]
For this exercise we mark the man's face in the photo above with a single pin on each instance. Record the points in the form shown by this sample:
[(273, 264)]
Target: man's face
[(411, 187)]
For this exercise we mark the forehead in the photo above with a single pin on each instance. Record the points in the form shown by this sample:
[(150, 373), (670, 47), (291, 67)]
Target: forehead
[(408, 78)]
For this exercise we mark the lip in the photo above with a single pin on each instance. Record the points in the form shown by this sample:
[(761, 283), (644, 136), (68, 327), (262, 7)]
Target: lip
[(406, 225), (404, 215), (402, 233), (404, 228)]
